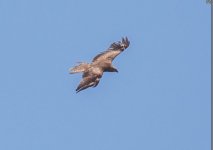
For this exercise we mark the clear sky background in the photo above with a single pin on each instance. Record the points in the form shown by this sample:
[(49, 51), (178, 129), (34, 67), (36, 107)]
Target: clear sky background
[(159, 100)]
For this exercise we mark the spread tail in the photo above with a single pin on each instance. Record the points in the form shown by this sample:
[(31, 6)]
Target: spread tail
[(79, 68)]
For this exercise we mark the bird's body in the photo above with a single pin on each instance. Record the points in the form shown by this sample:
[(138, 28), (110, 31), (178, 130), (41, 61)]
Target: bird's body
[(101, 63)]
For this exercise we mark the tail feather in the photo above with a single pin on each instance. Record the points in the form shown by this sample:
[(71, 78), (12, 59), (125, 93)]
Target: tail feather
[(79, 68)]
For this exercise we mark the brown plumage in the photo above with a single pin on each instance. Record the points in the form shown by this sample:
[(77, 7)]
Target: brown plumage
[(92, 72)]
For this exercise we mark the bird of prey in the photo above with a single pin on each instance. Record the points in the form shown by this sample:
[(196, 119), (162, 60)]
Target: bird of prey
[(92, 72)]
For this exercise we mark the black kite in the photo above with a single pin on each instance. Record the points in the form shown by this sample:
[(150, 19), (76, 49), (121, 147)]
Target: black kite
[(92, 72)]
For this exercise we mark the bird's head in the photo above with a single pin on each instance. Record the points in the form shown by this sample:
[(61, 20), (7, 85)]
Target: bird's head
[(115, 70), (111, 69)]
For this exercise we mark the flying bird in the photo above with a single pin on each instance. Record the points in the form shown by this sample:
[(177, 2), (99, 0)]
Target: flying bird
[(92, 72)]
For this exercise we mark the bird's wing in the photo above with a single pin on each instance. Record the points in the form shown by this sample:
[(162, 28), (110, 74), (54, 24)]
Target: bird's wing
[(115, 49), (86, 82), (90, 78)]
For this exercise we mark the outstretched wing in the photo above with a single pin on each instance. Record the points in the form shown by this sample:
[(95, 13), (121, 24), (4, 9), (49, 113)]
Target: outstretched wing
[(115, 49), (86, 82), (90, 78)]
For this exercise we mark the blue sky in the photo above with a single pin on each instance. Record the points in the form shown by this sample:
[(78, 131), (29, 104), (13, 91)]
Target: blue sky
[(160, 99)]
